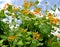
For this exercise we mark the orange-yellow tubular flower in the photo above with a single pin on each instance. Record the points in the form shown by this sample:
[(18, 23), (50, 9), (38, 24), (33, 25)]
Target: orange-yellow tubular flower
[(11, 38), (37, 11), (54, 20), (49, 15), (6, 5), (31, 4), (26, 11), (25, 3), (36, 35)]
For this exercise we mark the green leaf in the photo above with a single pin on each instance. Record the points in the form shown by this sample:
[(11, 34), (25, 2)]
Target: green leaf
[(28, 38), (28, 42), (15, 42), (4, 28), (29, 33), (59, 9), (45, 28), (36, 23), (20, 43), (4, 46), (9, 8), (39, 44), (55, 44), (46, 2), (33, 44), (1, 42), (54, 8), (2, 15), (36, 2)]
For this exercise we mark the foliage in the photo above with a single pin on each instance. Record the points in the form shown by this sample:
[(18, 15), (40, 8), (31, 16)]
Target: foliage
[(32, 31)]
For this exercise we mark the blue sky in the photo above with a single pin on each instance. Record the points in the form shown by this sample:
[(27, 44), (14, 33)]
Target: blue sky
[(50, 3), (42, 3)]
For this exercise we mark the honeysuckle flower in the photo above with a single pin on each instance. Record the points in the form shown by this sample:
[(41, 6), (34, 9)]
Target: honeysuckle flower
[(23, 30), (25, 4), (9, 19), (26, 11), (18, 21), (4, 20), (58, 35), (5, 12), (56, 32), (11, 26), (31, 4), (53, 20), (11, 38), (37, 11), (6, 6), (17, 25), (51, 11), (56, 13), (49, 15), (13, 14), (15, 7), (37, 15), (36, 35), (55, 28)]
